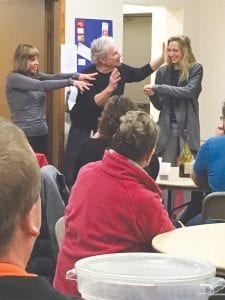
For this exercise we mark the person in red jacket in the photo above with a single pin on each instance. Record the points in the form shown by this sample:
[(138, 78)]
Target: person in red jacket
[(114, 206)]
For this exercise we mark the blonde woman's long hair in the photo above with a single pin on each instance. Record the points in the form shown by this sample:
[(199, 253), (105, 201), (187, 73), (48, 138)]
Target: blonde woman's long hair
[(188, 59)]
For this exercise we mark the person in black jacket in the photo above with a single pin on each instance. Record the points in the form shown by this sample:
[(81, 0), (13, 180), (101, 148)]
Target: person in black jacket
[(20, 218), (93, 148), (112, 75)]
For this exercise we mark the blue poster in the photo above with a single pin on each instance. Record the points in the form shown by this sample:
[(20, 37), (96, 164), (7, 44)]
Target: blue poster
[(86, 30)]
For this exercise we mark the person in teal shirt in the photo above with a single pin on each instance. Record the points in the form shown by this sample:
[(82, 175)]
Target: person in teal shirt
[(210, 161), (209, 165)]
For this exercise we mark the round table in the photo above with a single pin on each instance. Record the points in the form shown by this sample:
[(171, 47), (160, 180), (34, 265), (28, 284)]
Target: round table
[(202, 241)]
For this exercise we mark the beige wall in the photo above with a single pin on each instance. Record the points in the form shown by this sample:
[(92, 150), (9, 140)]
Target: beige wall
[(212, 51), (16, 17), (202, 20), (137, 31)]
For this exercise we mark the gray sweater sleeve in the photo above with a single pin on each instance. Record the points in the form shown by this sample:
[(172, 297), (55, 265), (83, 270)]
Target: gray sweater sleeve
[(190, 91), (156, 98), (42, 84), (58, 76)]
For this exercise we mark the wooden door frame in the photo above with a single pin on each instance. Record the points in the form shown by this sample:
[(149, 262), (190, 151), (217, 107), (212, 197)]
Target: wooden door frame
[(55, 36)]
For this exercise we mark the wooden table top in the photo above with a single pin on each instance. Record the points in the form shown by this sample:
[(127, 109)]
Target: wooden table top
[(202, 241)]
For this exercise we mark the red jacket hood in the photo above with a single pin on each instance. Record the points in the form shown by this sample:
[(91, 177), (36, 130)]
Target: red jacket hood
[(121, 167)]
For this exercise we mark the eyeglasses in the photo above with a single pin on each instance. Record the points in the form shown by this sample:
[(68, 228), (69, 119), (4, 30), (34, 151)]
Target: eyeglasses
[(222, 118)]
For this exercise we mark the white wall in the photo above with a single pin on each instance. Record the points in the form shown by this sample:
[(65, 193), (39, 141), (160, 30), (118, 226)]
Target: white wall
[(95, 9), (202, 20), (165, 22), (212, 51)]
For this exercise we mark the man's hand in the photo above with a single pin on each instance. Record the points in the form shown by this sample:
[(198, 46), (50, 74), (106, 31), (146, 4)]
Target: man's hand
[(95, 135), (114, 79)]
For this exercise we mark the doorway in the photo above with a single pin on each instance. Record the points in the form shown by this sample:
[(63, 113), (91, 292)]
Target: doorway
[(137, 36), (39, 23), (19, 25)]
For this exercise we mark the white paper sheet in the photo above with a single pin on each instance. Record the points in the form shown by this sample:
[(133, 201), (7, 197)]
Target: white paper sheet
[(68, 58)]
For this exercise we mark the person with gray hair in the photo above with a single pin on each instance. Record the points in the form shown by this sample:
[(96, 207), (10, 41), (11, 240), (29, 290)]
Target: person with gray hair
[(120, 209), (112, 75), (20, 217), (136, 137)]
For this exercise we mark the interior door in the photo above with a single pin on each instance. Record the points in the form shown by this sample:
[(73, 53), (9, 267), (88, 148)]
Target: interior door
[(137, 36), (22, 21), (40, 23)]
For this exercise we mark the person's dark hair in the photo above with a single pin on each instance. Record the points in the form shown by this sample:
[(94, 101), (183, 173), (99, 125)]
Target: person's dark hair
[(115, 107), (136, 135), (19, 180)]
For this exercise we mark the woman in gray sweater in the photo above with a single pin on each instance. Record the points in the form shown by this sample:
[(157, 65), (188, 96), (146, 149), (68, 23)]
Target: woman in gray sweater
[(25, 91), (175, 94)]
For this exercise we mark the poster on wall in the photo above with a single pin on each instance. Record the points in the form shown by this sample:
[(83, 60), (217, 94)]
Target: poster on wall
[(86, 30)]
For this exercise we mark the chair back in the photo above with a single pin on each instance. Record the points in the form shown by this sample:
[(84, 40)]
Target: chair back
[(217, 297), (213, 207), (59, 230)]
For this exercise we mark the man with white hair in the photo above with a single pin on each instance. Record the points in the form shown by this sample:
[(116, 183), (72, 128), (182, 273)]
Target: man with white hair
[(112, 75)]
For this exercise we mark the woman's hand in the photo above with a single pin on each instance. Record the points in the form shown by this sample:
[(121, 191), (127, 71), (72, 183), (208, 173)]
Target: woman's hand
[(87, 77), (148, 90), (82, 85)]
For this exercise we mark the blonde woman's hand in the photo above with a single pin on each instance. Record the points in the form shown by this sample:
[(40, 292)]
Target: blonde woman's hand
[(148, 90)]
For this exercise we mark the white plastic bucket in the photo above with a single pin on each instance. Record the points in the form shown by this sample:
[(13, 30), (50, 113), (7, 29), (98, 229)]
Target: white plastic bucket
[(145, 276)]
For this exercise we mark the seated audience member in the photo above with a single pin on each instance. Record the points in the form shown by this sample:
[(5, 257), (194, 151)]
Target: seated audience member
[(20, 217), (54, 195), (114, 205), (92, 149), (209, 165)]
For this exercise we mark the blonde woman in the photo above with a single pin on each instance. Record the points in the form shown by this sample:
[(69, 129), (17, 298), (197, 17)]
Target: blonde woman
[(175, 94), (25, 92)]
